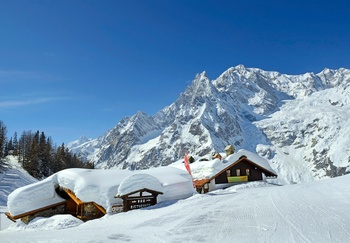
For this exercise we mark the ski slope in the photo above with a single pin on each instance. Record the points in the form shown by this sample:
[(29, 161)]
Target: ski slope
[(255, 212)]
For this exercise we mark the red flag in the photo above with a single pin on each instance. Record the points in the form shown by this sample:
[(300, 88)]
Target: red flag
[(187, 164), (188, 168)]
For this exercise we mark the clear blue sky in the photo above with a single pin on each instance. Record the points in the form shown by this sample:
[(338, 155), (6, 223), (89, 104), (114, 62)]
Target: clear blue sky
[(72, 68)]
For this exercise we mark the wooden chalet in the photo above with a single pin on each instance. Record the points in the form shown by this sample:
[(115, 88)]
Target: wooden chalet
[(72, 205), (240, 171)]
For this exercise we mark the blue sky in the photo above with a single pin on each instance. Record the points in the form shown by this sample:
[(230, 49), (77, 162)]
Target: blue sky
[(72, 68)]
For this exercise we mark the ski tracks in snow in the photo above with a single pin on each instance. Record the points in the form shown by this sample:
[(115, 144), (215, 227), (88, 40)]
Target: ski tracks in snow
[(288, 219), (309, 217)]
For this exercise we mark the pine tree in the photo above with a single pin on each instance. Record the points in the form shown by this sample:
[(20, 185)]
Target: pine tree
[(3, 132), (26, 150), (8, 148), (44, 154), (15, 144), (32, 165), (60, 159), (23, 148), (50, 153)]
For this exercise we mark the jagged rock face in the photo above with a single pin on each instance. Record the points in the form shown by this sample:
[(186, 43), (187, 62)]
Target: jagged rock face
[(312, 134), (279, 116)]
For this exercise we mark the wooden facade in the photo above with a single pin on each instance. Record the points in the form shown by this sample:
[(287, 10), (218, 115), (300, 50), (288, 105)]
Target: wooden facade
[(82, 210), (243, 170), (139, 199)]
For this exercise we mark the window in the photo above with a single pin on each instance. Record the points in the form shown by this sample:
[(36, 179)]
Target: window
[(247, 172), (228, 173), (238, 172)]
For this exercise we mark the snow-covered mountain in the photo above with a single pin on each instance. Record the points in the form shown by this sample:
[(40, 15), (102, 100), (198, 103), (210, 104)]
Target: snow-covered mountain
[(297, 122), (311, 135)]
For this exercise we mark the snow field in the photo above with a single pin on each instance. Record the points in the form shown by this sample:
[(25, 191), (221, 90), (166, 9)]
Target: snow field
[(254, 212)]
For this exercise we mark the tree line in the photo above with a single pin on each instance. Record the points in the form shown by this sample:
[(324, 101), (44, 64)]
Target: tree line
[(37, 153)]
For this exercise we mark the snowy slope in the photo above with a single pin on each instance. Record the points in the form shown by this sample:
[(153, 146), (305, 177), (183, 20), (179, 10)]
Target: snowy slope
[(255, 212), (13, 176), (211, 114)]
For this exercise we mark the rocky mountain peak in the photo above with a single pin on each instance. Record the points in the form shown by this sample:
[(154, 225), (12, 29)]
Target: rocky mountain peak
[(201, 85), (249, 108)]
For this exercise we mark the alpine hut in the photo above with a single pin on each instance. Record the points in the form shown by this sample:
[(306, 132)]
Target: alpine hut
[(240, 167)]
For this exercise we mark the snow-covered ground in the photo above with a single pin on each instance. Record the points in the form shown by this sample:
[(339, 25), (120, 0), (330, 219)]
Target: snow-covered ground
[(4, 222), (13, 176), (255, 212)]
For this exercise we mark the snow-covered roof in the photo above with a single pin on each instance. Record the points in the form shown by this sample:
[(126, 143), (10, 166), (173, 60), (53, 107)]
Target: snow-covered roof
[(101, 186), (138, 181), (207, 169), (32, 196)]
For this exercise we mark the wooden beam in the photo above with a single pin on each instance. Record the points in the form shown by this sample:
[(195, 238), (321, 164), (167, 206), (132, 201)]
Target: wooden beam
[(10, 217), (100, 208), (140, 190), (14, 217), (72, 195), (80, 203)]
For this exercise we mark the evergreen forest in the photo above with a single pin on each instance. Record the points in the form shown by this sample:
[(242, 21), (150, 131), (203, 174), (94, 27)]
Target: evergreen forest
[(37, 153)]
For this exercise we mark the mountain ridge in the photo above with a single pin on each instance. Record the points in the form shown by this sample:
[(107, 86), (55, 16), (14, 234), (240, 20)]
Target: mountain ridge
[(210, 114)]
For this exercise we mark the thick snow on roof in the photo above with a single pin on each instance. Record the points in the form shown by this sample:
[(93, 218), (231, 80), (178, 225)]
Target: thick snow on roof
[(33, 196), (207, 169), (174, 183), (100, 186), (138, 181)]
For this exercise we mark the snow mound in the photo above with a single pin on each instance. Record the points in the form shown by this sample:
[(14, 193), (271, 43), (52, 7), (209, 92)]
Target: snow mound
[(56, 222)]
